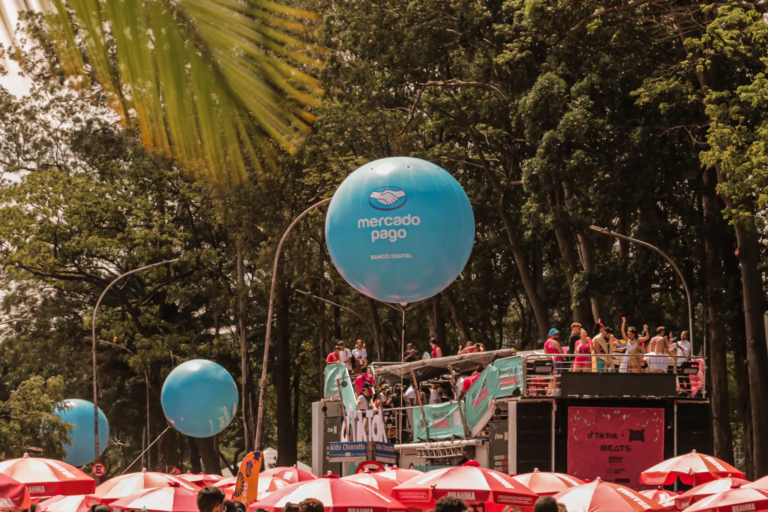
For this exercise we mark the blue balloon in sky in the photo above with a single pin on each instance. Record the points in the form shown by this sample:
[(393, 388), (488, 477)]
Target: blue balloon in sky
[(400, 229), (80, 414), (199, 398)]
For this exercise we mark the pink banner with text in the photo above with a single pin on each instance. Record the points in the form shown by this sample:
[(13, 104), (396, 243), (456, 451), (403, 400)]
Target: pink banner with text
[(614, 443)]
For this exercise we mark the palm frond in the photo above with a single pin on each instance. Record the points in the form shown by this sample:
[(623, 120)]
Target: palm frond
[(212, 84)]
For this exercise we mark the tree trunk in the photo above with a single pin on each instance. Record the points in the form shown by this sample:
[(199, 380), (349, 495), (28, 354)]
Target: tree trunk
[(168, 452), (286, 448), (718, 366), (337, 322), (194, 456), (529, 284), (211, 463), (587, 251), (742, 382), (296, 407), (378, 339), (463, 333), (436, 321), (245, 375)]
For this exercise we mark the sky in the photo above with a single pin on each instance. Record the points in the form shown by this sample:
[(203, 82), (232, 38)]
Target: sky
[(12, 81)]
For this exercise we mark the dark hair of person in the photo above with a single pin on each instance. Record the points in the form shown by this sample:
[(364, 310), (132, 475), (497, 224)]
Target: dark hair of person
[(291, 507), (609, 330), (660, 330), (562, 508), (207, 499), (311, 505), (545, 504), (596, 329), (98, 508), (450, 504), (433, 341)]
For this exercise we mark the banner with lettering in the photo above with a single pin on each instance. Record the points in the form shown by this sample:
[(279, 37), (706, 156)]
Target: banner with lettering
[(443, 420), (614, 443), (478, 404), (510, 376), (336, 376)]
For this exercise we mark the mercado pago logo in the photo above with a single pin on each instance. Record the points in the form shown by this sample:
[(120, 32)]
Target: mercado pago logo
[(392, 227)]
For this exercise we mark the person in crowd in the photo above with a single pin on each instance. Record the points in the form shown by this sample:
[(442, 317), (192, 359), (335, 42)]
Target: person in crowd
[(311, 505), (561, 507), (411, 399), (210, 499), (333, 357), (360, 355), (634, 348), (467, 384), (479, 347), (345, 356), (291, 507), (603, 345), (575, 334), (582, 346), (456, 382), (434, 395), (545, 504), (469, 349), (437, 352), (552, 346), (411, 354), (96, 508), (362, 398), (682, 351), (364, 377), (452, 504), (658, 353)]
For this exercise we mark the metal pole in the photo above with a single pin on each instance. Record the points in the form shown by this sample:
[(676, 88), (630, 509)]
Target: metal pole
[(260, 417), (608, 232), (95, 342)]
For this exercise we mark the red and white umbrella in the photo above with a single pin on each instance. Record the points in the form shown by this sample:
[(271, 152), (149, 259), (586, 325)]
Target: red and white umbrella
[(46, 477), (77, 503), (292, 475), (375, 480), (121, 486), (659, 495), (470, 483), (336, 495), (201, 479), (692, 468), (547, 483), (400, 475), (739, 499), (700, 492), (13, 494), (761, 484), (599, 496), (171, 498), (226, 483)]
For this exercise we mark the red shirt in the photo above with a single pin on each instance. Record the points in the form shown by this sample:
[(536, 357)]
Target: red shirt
[(468, 383), (332, 358), (362, 379)]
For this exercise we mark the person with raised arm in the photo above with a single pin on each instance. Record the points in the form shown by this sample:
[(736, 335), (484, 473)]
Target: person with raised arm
[(634, 348)]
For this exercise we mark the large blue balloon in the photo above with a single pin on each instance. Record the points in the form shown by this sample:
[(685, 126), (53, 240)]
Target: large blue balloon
[(79, 413), (400, 229), (199, 398)]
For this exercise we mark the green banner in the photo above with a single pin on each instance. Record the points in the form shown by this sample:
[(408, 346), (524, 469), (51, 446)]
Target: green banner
[(444, 421), (338, 373), (510, 376), (478, 404)]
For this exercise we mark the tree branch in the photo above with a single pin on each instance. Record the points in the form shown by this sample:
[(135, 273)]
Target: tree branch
[(596, 15)]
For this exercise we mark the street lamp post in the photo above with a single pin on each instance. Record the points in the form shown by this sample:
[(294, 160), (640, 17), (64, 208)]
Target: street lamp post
[(608, 232), (95, 342)]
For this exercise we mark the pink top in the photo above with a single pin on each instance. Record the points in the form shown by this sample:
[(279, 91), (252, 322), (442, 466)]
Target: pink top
[(549, 349), (434, 353), (582, 348)]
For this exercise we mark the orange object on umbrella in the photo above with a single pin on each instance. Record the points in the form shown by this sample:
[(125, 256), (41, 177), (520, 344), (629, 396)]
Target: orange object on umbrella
[(46, 477), (201, 479), (659, 495), (599, 496), (13, 494), (292, 475), (76, 503), (121, 486), (547, 483), (267, 485), (470, 482), (693, 469), (738, 499), (336, 495), (700, 492), (171, 498)]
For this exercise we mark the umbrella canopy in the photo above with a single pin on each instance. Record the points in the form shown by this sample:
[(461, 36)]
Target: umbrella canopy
[(599, 496), (226, 483), (376, 481), (693, 469), (337, 495), (761, 484), (292, 475), (739, 499), (171, 498), (45, 477), (659, 495), (76, 503), (547, 483), (201, 479), (399, 475), (469, 482), (125, 485), (699, 492), (13, 494)]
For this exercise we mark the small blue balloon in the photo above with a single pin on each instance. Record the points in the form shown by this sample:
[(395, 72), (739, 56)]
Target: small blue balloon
[(199, 398), (79, 413), (400, 229)]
